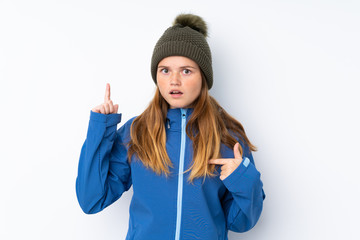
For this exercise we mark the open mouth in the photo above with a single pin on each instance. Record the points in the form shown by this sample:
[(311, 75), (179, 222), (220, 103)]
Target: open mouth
[(175, 92)]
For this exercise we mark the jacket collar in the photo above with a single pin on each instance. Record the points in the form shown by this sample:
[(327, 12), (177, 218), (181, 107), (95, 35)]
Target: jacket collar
[(173, 118)]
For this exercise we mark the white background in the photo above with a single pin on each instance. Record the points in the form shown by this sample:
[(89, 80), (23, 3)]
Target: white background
[(288, 70)]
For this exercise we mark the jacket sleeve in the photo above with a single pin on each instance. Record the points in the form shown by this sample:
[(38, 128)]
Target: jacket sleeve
[(243, 200), (103, 171)]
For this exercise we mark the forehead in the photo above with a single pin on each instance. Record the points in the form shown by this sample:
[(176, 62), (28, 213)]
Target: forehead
[(177, 61)]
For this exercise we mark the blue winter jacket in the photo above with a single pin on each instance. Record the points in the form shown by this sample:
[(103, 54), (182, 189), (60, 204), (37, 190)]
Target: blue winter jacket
[(166, 208)]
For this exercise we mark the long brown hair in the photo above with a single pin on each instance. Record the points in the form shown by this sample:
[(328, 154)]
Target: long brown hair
[(209, 126)]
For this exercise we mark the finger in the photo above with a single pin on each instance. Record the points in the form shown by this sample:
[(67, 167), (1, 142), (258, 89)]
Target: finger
[(219, 161), (116, 107), (102, 109), (237, 153), (107, 93), (96, 109), (107, 109), (111, 106)]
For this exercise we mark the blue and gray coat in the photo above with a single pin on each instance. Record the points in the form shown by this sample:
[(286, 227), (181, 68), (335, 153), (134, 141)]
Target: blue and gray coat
[(166, 208)]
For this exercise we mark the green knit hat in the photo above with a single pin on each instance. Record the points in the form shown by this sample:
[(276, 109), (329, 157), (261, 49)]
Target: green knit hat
[(185, 38)]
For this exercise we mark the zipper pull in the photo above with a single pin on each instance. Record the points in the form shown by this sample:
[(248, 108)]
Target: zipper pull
[(183, 113)]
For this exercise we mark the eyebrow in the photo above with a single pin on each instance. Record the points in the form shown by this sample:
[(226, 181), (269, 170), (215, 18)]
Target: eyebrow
[(180, 67)]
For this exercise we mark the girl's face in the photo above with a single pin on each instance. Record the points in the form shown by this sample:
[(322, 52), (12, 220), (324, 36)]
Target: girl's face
[(179, 81)]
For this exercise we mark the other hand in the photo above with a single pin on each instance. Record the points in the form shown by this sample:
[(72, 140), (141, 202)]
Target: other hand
[(228, 164), (107, 107)]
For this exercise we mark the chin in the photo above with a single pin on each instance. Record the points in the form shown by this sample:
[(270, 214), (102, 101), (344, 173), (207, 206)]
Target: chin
[(177, 106)]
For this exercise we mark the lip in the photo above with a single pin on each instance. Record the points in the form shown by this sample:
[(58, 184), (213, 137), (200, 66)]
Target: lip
[(175, 95)]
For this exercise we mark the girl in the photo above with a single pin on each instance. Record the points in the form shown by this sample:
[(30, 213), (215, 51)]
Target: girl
[(188, 160)]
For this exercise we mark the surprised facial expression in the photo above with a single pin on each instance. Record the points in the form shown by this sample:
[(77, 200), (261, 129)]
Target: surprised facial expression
[(179, 81)]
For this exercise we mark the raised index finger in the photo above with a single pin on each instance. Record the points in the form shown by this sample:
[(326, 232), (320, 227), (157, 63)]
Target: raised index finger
[(107, 93)]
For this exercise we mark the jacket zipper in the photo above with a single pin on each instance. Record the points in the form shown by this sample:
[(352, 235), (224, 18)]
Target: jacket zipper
[(180, 177)]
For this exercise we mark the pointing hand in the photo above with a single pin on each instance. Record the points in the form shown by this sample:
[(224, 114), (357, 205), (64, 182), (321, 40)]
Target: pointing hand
[(228, 164), (107, 107)]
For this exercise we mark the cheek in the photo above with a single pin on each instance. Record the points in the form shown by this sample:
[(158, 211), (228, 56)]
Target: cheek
[(161, 86), (196, 86), (160, 83)]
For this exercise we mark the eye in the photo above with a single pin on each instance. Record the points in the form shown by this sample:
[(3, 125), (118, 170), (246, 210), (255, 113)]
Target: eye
[(164, 70), (186, 71)]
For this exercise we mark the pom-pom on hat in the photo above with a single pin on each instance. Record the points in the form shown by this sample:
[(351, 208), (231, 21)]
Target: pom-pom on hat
[(187, 38)]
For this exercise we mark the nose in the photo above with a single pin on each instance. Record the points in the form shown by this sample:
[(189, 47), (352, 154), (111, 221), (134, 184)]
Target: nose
[(175, 79)]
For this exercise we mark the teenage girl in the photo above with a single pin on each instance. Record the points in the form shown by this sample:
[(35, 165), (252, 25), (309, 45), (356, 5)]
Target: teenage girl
[(189, 162)]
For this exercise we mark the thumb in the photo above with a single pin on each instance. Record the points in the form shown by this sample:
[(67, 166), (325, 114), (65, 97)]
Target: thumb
[(116, 107), (237, 153)]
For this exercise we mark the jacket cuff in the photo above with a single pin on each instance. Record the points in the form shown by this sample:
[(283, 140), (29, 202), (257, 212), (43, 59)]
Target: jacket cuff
[(108, 119), (234, 180)]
